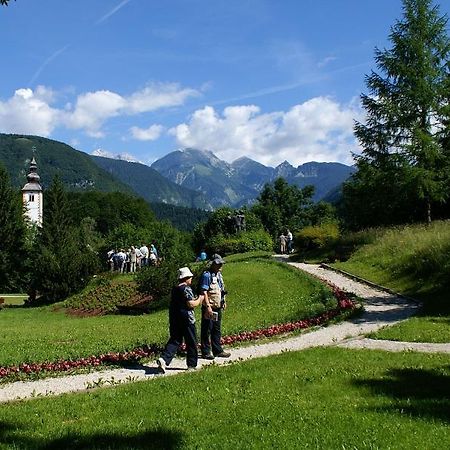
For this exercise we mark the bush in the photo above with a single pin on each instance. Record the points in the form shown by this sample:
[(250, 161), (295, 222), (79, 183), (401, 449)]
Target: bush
[(246, 241), (316, 237), (158, 281)]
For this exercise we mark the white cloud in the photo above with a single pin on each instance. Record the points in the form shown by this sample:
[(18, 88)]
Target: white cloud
[(93, 109), (318, 130), (158, 95), (28, 112), (151, 133), (31, 112)]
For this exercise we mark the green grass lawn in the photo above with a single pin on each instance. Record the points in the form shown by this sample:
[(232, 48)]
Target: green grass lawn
[(261, 292), (413, 260), (325, 398)]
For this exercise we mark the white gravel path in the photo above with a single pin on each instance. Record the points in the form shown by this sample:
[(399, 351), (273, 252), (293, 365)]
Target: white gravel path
[(381, 309)]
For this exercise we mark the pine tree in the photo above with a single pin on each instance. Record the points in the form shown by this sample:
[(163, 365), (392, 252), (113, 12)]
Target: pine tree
[(13, 235), (402, 151), (62, 260)]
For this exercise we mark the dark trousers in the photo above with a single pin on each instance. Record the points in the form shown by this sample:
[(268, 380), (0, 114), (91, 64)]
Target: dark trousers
[(180, 328), (211, 334)]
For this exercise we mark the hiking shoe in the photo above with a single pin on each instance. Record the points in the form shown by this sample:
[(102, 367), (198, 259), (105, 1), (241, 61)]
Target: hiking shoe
[(191, 369), (208, 356), (161, 365), (223, 355)]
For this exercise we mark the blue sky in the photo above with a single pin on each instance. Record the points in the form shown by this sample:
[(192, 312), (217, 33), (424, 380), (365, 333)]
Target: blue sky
[(273, 80)]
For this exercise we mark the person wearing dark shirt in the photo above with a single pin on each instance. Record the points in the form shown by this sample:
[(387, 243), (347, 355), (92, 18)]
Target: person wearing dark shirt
[(181, 322)]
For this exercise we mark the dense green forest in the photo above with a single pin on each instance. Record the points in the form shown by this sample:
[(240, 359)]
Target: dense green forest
[(182, 218), (76, 169)]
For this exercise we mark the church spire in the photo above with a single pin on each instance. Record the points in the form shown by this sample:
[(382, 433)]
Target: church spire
[(32, 193)]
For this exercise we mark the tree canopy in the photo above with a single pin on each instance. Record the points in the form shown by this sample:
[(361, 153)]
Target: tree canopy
[(402, 168), (13, 234)]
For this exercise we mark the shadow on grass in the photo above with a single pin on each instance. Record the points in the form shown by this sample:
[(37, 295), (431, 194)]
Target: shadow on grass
[(15, 436), (417, 392)]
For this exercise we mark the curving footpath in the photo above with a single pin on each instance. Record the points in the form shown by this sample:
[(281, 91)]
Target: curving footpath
[(380, 309)]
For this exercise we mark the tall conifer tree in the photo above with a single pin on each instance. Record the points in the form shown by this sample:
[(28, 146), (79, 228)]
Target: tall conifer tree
[(13, 233), (401, 165), (62, 262)]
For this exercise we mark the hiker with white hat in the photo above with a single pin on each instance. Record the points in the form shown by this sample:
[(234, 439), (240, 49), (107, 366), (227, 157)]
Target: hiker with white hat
[(181, 322)]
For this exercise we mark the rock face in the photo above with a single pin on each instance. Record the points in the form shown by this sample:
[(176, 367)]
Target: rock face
[(241, 181)]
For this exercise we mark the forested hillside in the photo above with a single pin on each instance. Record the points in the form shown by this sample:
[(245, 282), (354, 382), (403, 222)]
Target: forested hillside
[(150, 184), (76, 169), (184, 219)]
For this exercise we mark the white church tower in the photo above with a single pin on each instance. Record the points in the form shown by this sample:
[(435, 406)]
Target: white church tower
[(32, 195)]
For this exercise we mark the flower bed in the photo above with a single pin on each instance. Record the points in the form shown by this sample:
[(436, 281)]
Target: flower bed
[(344, 304)]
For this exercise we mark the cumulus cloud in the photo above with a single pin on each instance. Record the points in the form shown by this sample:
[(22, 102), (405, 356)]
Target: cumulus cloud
[(151, 133), (93, 109), (319, 129), (29, 112)]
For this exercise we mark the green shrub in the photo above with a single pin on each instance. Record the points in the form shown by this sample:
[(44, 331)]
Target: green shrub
[(246, 241), (316, 237), (158, 281)]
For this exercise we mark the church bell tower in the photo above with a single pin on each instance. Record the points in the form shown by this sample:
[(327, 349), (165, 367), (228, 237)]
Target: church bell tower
[(32, 194)]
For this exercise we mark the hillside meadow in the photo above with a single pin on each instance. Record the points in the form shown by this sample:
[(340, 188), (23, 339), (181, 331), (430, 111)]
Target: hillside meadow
[(413, 260)]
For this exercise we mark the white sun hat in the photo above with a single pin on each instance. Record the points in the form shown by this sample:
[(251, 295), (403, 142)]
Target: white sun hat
[(184, 272)]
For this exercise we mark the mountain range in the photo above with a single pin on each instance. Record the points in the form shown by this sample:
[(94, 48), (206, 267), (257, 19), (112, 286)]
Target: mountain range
[(240, 182), (190, 178)]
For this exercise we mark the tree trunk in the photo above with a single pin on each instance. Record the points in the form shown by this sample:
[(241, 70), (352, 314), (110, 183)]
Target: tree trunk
[(428, 212)]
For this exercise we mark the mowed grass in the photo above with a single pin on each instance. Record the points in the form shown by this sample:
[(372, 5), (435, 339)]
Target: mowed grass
[(261, 293), (413, 260), (325, 398)]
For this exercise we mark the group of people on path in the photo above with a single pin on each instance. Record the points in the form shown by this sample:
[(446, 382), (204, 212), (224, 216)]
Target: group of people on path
[(286, 241), (182, 323), (133, 259)]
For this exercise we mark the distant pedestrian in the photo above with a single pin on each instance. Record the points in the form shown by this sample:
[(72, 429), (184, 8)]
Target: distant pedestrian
[(121, 261), (153, 249), (283, 240), (144, 252), (290, 241), (181, 322), (133, 259), (202, 256)]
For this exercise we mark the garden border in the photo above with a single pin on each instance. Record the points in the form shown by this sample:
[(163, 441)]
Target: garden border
[(344, 303)]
